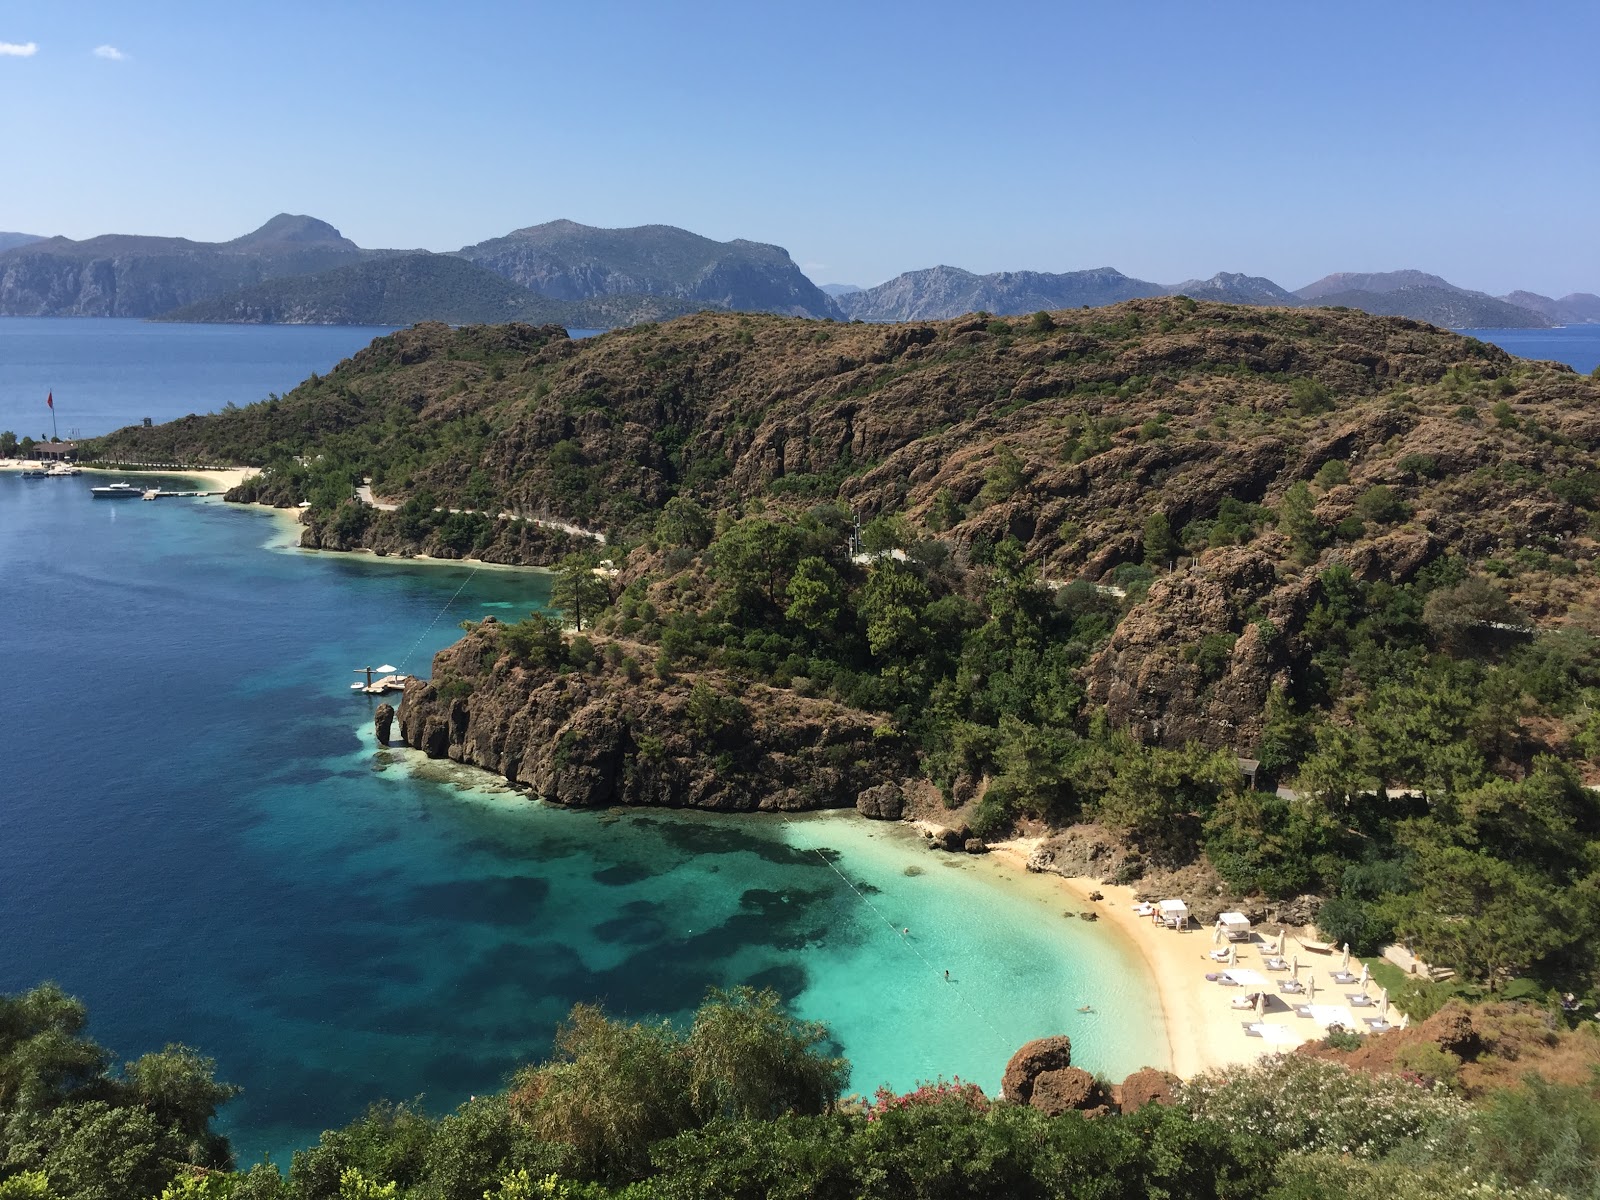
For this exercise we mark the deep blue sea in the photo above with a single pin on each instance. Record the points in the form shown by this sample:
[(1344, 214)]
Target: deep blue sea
[(1576, 345), (199, 836)]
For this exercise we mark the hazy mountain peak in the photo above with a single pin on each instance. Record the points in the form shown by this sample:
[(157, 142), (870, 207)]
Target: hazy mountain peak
[(565, 260), (1235, 287), (1372, 281), (945, 291), (292, 229)]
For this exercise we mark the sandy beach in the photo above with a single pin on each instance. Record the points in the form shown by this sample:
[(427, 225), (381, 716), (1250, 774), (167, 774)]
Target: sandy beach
[(1203, 1032), (212, 481)]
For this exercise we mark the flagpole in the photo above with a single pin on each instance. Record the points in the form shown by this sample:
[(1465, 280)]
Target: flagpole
[(50, 399)]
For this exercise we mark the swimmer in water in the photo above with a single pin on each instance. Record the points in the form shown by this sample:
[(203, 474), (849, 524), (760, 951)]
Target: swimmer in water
[(947, 975), (1086, 1008)]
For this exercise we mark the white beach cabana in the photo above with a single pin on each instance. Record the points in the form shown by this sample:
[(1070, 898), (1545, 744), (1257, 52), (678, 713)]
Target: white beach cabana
[(1174, 914), (1234, 926)]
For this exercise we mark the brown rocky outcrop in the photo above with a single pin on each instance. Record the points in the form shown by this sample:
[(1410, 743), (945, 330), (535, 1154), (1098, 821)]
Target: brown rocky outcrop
[(1033, 1059), (884, 802), (1146, 1086), (1145, 678), (587, 737), (382, 719), (1082, 852), (1056, 1092)]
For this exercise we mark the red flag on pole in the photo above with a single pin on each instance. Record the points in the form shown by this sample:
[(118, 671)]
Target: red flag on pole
[(50, 399)]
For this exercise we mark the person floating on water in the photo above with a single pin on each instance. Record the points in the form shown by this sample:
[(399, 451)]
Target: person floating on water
[(947, 974), (1085, 1008)]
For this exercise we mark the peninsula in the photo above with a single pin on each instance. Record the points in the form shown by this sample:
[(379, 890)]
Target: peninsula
[(1126, 568)]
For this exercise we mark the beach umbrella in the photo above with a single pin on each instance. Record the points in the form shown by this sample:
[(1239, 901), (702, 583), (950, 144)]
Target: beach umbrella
[(1383, 1002), (1366, 976), (387, 668), (1278, 949), (1295, 963), (1311, 985), (1344, 963), (1216, 934), (1233, 955)]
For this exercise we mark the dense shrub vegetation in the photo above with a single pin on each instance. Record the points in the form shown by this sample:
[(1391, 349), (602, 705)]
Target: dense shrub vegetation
[(742, 1105)]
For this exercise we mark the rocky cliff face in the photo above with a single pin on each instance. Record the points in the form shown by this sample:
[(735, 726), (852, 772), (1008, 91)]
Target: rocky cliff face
[(568, 261), (124, 276), (594, 736)]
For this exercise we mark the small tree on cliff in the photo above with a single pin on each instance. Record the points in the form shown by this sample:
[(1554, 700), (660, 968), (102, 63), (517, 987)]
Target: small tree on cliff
[(578, 592)]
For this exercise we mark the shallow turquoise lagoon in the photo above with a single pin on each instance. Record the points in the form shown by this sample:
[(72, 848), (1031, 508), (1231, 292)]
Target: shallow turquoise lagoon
[(199, 836)]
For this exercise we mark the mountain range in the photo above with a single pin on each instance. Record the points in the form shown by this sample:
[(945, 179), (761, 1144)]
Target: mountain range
[(297, 269)]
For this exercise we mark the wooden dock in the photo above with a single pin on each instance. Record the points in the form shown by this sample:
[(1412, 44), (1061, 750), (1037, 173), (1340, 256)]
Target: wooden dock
[(160, 494)]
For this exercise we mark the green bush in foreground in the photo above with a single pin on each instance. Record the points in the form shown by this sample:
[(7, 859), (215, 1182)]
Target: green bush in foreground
[(741, 1105)]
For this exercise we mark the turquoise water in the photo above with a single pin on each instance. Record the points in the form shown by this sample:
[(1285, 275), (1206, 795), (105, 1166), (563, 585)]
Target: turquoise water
[(199, 836)]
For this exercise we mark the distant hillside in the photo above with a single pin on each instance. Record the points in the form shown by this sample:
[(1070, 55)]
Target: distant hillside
[(1229, 287), (939, 293), (9, 241), (124, 275), (412, 288), (1343, 282), (1447, 307), (840, 289), (1422, 297), (1577, 308), (568, 261)]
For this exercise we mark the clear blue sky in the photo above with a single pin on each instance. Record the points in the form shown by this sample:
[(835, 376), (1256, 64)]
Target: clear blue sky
[(1167, 139)]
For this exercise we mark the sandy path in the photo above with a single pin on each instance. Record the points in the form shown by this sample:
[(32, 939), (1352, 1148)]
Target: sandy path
[(1203, 1032)]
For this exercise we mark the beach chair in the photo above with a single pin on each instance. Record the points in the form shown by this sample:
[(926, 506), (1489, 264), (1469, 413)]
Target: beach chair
[(1358, 999), (1251, 1028), (1303, 1010), (1291, 987), (1345, 977), (1377, 1024), (1276, 964)]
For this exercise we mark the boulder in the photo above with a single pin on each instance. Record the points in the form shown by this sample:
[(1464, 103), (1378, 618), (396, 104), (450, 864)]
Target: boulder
[(885, 802), (941, 837), (1027, 1064), (1056, 1092), (975, 845), (382, 722), (1147, 1086)]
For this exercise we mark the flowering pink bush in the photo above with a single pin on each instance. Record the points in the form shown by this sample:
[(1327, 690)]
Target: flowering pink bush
[(938, 1092)]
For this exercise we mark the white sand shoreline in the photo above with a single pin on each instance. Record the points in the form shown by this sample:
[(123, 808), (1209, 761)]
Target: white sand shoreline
[(1203, 1031), (220, 479)]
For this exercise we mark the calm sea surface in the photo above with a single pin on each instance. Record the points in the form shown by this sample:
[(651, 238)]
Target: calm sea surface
[(199, 836), (1576, 345)]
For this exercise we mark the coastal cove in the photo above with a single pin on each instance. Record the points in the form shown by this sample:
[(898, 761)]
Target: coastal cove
[(204, 842)]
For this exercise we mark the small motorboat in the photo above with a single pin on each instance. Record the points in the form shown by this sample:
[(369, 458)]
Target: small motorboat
[(116, 491), (35, 473), (60, 470)]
